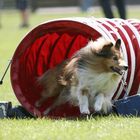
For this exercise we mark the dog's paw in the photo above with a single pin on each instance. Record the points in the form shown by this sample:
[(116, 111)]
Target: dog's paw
[(46, 112), (97, 107), (84, 111)]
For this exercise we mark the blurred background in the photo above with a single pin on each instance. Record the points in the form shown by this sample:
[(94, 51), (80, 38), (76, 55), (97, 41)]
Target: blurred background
[(35, 4), (26, 9), (18, 17)]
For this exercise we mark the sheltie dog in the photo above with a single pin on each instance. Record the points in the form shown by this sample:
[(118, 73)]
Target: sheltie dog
[(87, 80)]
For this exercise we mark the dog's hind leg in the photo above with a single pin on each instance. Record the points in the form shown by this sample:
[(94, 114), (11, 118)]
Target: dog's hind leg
[(42, 99), (53, 106), (40, 102), (61, 99)]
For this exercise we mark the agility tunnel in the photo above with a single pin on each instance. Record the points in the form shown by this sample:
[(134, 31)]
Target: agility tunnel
[(52, 42)]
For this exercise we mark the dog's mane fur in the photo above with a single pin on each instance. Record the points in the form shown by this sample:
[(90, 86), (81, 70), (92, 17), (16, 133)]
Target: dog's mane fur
[(86, 59)]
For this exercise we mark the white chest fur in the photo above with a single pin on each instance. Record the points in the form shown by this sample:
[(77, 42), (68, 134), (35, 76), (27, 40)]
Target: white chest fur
[(96, 83)]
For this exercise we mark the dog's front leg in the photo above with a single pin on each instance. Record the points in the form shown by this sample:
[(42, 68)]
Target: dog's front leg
[(107, 105), (99, 99), (83, 101)]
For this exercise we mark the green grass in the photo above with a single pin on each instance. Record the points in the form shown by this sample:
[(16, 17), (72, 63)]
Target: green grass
[(105, 128), (101, 128)]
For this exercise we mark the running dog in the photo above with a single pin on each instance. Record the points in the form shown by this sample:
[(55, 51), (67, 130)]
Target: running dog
[(88, 79)]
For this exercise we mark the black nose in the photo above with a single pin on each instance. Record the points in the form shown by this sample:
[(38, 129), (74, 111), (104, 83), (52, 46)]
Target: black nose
[(125, 67)]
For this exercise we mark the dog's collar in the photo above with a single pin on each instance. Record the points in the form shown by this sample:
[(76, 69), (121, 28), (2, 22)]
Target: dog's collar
[(124, 84)]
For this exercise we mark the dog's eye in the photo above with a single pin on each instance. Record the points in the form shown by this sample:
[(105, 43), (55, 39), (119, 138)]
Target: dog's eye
[(115, 58)]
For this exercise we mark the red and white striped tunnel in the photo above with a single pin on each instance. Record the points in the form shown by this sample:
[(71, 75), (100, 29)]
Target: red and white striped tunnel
[(54, 41)]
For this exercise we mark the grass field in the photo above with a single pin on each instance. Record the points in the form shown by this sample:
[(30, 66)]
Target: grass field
[(101, 128)]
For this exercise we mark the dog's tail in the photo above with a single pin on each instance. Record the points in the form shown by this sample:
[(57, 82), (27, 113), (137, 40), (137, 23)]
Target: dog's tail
[(69, 72), (42, 80)]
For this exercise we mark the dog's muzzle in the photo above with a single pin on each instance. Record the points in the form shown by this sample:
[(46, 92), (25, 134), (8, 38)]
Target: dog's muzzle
[(119, 70)]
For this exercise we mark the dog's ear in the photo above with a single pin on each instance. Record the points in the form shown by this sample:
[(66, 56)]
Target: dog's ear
[(106, 50), (108, 46), (118, 44)]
